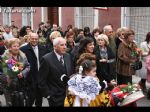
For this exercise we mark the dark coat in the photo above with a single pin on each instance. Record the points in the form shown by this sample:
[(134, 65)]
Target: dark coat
[(49, 47), (69, 48), (27, 49), (104, 70), (50, 73), (117, 41), (2, 49), (75, 56)]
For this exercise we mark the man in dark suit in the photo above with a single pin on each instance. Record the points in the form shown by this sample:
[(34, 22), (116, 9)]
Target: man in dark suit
[(54, 71), (34, 53)]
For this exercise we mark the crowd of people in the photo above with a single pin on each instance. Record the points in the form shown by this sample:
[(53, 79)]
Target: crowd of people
[(53, 59)]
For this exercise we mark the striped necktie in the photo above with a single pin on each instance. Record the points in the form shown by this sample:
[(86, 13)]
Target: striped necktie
[(61, 61)]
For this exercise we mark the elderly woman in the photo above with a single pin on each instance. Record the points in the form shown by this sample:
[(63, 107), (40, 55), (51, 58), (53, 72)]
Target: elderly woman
[(120, 35), (105, 57), (49, 41), (127, 55), (15, 83)]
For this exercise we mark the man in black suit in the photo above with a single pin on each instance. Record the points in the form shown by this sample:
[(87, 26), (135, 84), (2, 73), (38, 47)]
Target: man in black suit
[(34, 53), (54, 71)]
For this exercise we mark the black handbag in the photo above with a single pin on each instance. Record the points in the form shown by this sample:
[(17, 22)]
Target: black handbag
[(137, 65)]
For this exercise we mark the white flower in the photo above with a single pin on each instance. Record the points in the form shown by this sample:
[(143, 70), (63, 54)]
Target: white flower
[(6, 61), (15, 68)]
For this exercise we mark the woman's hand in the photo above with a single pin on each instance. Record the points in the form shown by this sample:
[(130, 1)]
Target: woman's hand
[(20, 75)]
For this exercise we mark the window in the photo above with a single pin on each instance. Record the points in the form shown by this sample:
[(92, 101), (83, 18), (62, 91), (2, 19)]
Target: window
[(138, 19), (26, 16), (6, 15), (84, 16)]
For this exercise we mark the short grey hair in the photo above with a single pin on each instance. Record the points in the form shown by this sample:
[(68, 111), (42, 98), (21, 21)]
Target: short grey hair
[(106, 28), (56, 41)]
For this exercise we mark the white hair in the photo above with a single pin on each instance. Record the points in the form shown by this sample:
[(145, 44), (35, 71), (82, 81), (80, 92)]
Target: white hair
[(104, 37), (56, 41), (106, 28)]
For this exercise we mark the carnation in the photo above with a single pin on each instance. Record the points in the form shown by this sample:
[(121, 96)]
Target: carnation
[(15, 68), (6, 61)]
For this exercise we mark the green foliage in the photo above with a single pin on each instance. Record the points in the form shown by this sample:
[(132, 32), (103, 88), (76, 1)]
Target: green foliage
[(128, 88)]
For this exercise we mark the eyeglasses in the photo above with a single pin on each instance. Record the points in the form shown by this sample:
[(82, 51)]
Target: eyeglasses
[(110, 31)]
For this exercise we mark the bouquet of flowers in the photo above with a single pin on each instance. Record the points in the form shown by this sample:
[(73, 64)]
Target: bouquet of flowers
[(136, 52), (11, 67)]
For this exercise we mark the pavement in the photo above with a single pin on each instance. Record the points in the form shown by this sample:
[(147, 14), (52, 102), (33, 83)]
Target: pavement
[(144, 102)]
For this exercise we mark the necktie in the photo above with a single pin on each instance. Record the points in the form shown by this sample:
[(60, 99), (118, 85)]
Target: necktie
[(36, 53), (61, 61)]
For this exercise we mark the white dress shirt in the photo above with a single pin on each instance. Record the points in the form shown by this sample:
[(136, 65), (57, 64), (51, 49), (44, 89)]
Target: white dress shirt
[(59, 56), (36, 51)]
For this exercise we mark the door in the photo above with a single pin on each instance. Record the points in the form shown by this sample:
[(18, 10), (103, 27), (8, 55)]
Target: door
[(53, 15)]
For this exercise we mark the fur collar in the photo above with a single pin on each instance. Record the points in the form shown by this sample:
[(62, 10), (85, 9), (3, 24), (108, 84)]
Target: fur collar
[(7, 54)]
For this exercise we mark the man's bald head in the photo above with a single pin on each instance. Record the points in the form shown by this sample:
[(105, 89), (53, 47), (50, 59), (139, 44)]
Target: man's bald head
[(107, 28), (34, 39), (33, 34)]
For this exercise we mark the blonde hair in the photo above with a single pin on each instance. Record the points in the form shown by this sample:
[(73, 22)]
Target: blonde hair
[(26, 38), (104, 37), (55, 34), (13, 41), (121, 30)]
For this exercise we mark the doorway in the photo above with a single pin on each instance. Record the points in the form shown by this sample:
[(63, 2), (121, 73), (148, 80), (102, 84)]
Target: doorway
[(53, 15)]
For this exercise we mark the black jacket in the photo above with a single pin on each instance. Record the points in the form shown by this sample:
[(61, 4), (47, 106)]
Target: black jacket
[(49, 77), (104, 70), (28, 50)]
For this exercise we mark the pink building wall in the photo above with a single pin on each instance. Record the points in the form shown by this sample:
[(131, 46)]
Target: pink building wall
[(17, 17), (111, 16), (36, 17), (67, 17)]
